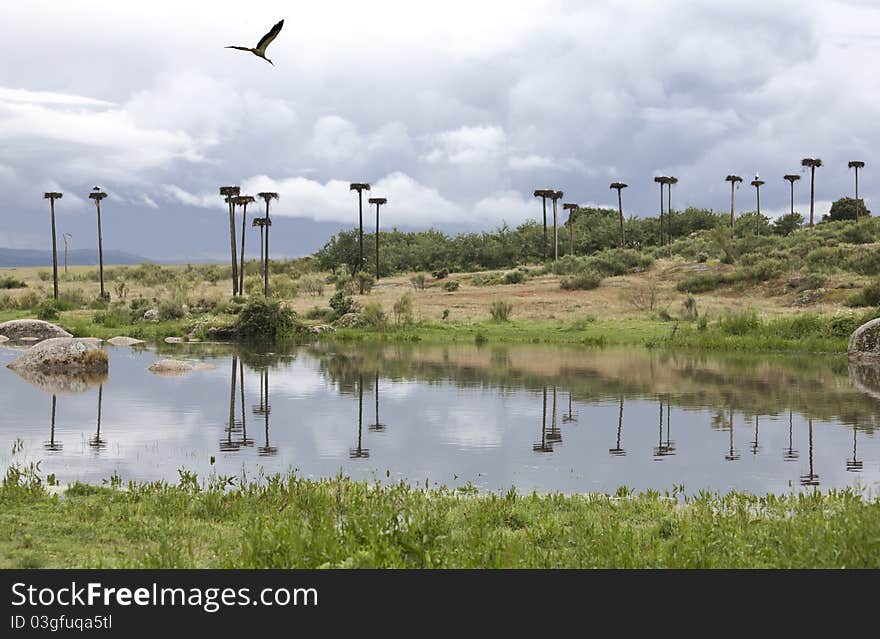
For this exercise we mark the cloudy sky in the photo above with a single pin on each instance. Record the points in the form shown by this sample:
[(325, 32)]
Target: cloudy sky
[(454, 111)]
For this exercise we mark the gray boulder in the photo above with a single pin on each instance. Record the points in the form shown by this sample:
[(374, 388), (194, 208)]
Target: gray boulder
[(170, 367), (864, 343), (3, 338), (63, 355), (350, 320), (124, 341), (151, 315), (18, 329)]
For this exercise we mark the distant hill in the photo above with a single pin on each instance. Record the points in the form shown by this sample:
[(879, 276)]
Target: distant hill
[(75, 257)]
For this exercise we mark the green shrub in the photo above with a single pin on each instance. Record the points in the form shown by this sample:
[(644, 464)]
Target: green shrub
[(403, 310), (30, 300), (283, 287), (44, 276), (766, 269), (170, 310), (342, 303), (690, 308), (612, 262), (265, 320), (364, 282), (514, 277), (739, 323), (11, 282), (705, 282), (581, 282), (374, 316), (116, 316), (418, 281), (344, 284), (501, 310), (442, 273), (868, 296), (312, 284), (321, 314), (47, 310), (450, 286)]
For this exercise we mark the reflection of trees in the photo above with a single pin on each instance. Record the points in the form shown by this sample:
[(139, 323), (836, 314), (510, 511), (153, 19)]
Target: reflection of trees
[(96, 442), (811, 478), (757, 385), (359, 452), (52, 445), (617, 451)]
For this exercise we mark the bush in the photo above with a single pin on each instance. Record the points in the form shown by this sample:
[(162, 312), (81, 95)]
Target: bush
[(283, 287), (44, 276), (170, 310), (321, 314), (265, 320), (374, 315), (766, 269), (47, 310), (612, 262), (441, 274), (514, 277), (501, 310), (365, 282), (117, 316), (403, 310), (868, 296), (690, 308), (344, 284), (739, 323), (312, 284), (450, 286), (705, 282), (418, 281), (342, 303), (11, 282), (581, 282)]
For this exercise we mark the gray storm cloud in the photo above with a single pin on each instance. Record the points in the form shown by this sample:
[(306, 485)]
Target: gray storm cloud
[(455, 120)]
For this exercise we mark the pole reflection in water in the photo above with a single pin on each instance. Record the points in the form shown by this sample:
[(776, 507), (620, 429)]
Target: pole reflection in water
[(571, 417), (732, 453), (245, 440), (52, 445), (265, 408), (96, 442), (811, 478), (755, 445), (360, 452), (555, 434), (854, 465), (378, 426), (543, 446), (790, 454), (617, 451), (227, 445), (663, 450)]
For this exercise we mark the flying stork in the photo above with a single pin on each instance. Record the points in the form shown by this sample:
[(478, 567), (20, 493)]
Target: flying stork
[(265, 41)]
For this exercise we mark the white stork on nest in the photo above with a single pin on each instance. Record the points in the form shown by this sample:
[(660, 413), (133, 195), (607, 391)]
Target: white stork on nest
[(263, 44)]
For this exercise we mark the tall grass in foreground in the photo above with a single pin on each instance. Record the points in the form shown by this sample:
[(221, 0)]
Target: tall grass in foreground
[(286, 522)]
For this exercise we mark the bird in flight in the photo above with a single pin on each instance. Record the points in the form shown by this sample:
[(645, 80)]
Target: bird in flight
[(265, 41)]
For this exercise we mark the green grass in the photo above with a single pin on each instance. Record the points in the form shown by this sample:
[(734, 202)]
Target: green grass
[(294, 522)]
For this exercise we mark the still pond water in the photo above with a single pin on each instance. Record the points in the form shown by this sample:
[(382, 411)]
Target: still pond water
[(551, 419)]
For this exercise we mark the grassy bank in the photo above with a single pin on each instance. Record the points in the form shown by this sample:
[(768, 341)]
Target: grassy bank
[(295, 522)]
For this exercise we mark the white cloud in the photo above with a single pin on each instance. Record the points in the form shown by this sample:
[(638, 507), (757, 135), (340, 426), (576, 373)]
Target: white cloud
[(467, 145)]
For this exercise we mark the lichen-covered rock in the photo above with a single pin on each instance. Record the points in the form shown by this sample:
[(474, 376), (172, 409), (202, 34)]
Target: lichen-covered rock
[(18, 329), (173, 340), (63, 355), (350, 320), (124, 341), (3, 338), (809, 297), (170, 367), (864, 344), (320, 329), (151, 315)]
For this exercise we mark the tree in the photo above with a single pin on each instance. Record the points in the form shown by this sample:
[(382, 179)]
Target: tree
[(228, 193), (846, 208), (619, 186), (52, 196), (813, 164), (267, 197), (97, 195), (788, 223)]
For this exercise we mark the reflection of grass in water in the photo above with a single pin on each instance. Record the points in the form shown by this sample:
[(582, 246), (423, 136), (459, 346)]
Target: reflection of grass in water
[(354, 524)]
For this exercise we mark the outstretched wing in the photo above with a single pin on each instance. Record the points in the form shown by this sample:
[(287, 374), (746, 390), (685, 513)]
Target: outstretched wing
[(266, 40), (239, 48)]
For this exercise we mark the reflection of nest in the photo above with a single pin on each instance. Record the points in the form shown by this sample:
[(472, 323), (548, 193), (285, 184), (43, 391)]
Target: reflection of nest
[(246, 441), (790, 454), (853, 465), (52, 447), (617, 452), (554, 436), (358, 453), (62, 383), (810, 479), (261, 410), (732, 455), (542, 447), (664, 450), (227, 446), (377, 428), (97, 443), (267, 451)]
